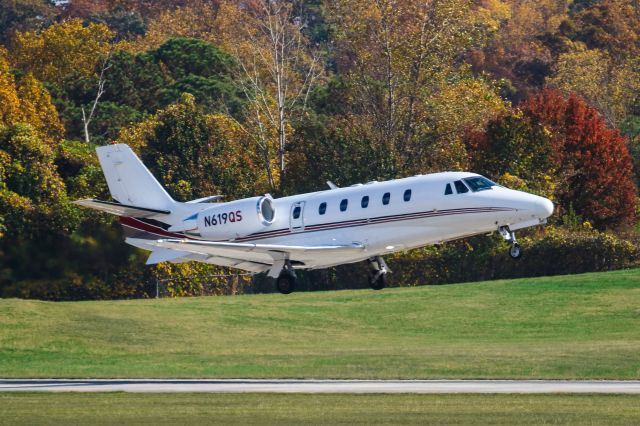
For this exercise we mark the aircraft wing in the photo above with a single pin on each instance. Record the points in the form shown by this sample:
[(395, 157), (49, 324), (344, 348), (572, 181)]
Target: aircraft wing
[(249, 256)]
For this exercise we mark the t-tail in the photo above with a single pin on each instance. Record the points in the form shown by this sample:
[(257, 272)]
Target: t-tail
[(145, 208)]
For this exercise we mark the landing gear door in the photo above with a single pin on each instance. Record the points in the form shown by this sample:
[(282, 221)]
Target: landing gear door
[(296, 217)]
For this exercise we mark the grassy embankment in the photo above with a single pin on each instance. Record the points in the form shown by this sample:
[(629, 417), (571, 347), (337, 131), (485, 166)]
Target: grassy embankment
[(267, 409), (576, 327)]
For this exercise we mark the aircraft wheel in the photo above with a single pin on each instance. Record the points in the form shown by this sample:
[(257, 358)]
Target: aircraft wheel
[(286, 283), (515, 251), (379, 283)]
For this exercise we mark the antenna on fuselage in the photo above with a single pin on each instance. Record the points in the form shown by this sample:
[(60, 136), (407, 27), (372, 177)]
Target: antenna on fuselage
[(332, 185)]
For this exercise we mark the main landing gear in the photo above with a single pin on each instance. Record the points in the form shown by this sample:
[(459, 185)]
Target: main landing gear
[(515, 251), (378, 271), (286, 281)]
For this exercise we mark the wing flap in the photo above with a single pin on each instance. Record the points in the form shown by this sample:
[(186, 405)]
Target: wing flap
[(265, 254)]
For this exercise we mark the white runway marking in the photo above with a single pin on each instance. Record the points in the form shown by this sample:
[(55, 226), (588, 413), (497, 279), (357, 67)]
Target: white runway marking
[(320, 386)]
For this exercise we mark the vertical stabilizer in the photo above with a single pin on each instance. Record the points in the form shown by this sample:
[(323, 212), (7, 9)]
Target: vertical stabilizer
[(130, 182)]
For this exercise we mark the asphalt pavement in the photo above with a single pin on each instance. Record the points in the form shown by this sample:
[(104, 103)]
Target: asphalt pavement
[(321, 386)]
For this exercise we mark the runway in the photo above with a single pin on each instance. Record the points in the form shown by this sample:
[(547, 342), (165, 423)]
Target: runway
[(321, 386)]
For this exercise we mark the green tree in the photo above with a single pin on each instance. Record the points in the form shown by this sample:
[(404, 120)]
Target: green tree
[(516, 151), (196, 154), (33, 198)]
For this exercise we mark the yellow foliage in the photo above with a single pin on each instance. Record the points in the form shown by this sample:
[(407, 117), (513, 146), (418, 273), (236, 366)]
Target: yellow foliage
[(513, 182), (493, 13), (62, 49), (28, 103), (9, 101), (466, 105), (37, 108), (136, 136), (181, 22), (611, 88)]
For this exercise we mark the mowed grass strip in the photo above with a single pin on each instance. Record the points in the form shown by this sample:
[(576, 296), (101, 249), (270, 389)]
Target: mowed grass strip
[(298, 409), (569, 327)]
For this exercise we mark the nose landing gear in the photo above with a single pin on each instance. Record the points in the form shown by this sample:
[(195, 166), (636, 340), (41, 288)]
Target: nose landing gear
[(515, 251), (378, 271)]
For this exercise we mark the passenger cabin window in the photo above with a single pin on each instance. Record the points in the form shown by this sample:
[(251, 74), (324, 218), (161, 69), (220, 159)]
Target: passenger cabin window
[(407, 195), (386, 197), (343, 205), (460, 187), (448, 190), (365, 202), (322, 209), (479, 183), (296, 212)]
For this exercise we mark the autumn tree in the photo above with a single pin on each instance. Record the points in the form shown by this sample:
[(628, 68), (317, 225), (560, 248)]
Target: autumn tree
[(62, 50), (596, 173), (27, 101), (610, 25), (519, 50), (277, 70), (37, 108), (609, 86), (402, 60), (23, 15), (193, 20)]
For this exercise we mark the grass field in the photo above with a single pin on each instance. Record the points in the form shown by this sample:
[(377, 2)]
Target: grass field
[(266, 409), (576, 327)]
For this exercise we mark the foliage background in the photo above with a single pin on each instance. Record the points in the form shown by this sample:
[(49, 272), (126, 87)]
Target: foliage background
[(540, 96)]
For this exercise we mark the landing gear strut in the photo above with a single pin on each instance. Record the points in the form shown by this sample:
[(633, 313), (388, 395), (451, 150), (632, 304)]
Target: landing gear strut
[(378, 271), (286, 281), (515, 251)]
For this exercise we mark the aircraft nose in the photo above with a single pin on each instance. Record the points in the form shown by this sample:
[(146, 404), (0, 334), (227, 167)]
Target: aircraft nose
[(543, 207)]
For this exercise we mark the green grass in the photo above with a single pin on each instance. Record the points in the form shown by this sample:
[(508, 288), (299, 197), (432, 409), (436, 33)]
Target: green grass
[(576, 327), (266, 409)]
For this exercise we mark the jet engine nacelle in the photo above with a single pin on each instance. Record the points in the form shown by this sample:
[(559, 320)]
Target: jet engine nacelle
[(236, 219)]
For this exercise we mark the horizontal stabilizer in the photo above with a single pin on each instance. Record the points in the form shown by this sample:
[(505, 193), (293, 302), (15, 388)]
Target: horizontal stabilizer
[(158, 256), (206, 199), (120, 209)]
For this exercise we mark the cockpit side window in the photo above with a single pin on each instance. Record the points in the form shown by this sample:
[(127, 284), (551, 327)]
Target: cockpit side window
[(460, 187), (448, 190), (479, 183)]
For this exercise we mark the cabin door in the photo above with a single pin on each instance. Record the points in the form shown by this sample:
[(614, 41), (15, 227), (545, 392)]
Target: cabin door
[(296, 222)]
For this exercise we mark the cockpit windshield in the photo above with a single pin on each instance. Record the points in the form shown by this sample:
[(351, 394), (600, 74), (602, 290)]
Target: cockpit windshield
[(479, 183)]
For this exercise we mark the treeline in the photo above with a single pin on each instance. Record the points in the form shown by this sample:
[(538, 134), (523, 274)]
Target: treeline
[(248, 97)]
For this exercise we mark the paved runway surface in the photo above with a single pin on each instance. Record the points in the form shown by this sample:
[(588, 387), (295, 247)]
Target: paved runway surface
[(321, 386)]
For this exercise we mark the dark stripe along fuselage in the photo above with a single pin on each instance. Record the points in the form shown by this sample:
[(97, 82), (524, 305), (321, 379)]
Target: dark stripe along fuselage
[(153, 231)]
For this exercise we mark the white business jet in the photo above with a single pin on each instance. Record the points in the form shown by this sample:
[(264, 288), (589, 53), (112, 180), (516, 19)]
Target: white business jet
[(314, 230)]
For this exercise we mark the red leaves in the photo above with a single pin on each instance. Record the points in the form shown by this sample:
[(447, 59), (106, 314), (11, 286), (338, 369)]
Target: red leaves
[(596, 169)]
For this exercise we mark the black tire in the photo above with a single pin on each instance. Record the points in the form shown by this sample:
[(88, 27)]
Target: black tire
[(378, 284), (515, 251), (286, 283)]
